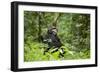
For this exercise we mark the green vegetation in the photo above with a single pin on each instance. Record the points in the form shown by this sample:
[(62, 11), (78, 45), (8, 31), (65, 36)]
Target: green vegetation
[(73, 31)]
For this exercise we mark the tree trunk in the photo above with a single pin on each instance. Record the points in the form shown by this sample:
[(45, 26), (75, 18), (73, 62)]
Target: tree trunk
[(39, 28), (55, 20)]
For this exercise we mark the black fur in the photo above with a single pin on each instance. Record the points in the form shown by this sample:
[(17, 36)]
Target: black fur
[(53, 40)]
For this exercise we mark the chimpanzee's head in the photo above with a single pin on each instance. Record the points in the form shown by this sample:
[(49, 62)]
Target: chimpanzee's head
[(53, 30)]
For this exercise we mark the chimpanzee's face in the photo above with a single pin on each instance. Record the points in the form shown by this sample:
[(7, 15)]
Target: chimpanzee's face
[(54, 31)]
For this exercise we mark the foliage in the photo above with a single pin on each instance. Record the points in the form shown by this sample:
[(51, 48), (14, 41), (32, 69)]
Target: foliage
[(73, 31)]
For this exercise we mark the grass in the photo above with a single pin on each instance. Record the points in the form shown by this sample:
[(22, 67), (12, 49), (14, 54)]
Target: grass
[(34, 51)]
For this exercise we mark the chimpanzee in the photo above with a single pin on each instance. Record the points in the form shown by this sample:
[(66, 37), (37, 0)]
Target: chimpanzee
[(53, 41)]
